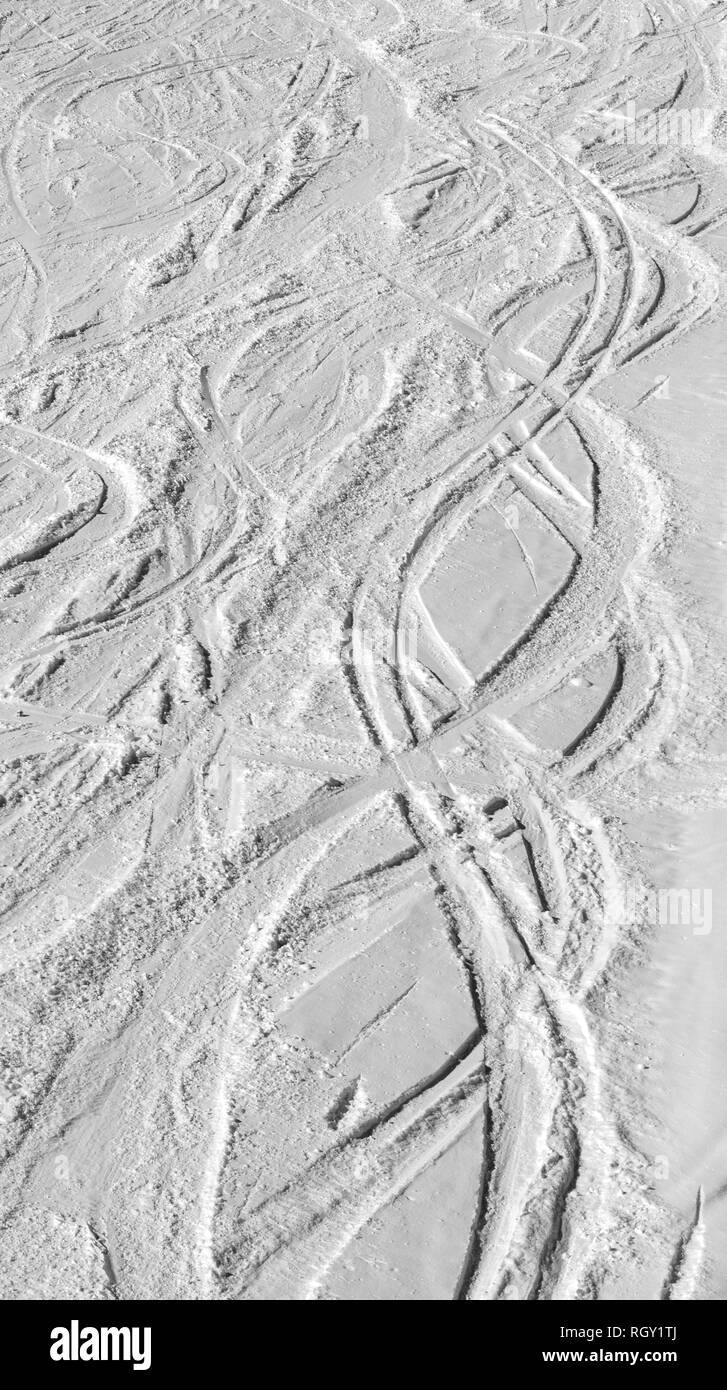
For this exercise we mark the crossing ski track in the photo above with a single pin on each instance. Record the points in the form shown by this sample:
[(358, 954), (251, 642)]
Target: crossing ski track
[(337, 636)]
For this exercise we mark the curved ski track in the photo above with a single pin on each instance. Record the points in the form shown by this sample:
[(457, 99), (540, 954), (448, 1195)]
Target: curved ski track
[(239, 380)]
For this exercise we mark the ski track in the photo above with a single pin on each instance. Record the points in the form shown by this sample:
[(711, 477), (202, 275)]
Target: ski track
[(265, 391)]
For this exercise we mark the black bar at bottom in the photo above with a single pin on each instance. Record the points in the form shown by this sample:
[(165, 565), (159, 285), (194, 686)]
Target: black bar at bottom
[(188, 1339)]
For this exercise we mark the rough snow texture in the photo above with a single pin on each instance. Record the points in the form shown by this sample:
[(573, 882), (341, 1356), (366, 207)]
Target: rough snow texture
[(362, 569)]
